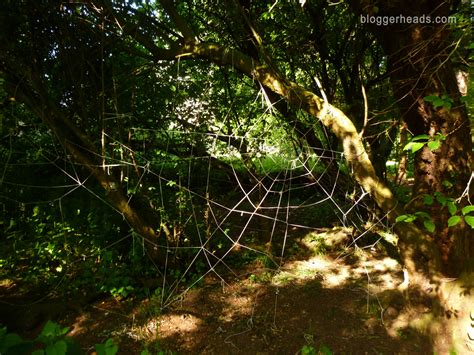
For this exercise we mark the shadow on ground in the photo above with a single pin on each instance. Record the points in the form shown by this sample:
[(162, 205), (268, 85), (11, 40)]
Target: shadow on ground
[(340, 298), (343, 301)]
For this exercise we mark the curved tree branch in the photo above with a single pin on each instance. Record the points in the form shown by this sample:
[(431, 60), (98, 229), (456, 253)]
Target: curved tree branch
[(413, 242)]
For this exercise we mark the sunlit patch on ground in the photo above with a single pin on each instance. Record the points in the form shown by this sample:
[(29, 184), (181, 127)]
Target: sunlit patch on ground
[(329, 265), (171, 324), (6, 283), (337, 298)]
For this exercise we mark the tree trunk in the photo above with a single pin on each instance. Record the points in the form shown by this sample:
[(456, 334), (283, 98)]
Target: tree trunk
[(402, 155), (420, 66)]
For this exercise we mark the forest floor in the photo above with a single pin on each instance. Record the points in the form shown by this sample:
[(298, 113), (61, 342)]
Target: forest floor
[(332, 298)]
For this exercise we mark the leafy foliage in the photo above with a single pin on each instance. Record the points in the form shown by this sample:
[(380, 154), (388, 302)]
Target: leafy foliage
[(51, 341)]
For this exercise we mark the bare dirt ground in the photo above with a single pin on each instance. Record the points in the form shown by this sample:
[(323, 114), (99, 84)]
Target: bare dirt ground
[(326, 299)]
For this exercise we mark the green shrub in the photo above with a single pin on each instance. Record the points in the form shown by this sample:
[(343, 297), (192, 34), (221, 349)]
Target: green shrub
[(51, 341)]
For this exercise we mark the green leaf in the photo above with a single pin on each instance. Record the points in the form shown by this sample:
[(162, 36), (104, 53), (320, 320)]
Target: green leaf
[(401, 218), (58, 348), (447, 105), (469, 220), (430, 98), (407, 218), (447, 184), (308, 350), (50, 329), (423, 214), (10, 340), (73, 348), (465, 210), (108, 348), (438, 102), (441, 198), (452, 221), (452, 208), (433, 145), (428, 200), (420, 137), (414, 146), (429, 225), (324, 350)]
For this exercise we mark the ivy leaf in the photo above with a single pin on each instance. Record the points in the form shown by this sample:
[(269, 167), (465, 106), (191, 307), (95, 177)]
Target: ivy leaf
[(465, 210), (429, 225), (470, 220), (452, 221)]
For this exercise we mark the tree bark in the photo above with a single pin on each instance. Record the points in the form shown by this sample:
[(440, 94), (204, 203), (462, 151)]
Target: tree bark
[(419, 65)]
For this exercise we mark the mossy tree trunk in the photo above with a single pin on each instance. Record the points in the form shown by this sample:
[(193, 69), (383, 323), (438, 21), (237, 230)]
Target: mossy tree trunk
[(419, 64)]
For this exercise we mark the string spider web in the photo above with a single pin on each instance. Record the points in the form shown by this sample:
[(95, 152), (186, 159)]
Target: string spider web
[(259, 216), (270, 200)]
